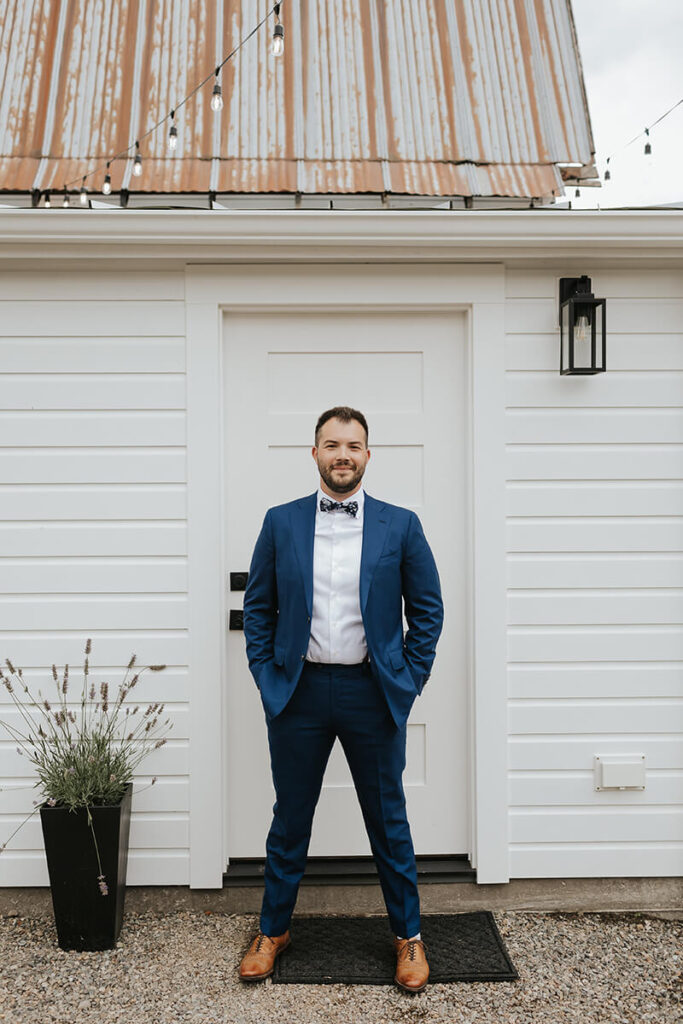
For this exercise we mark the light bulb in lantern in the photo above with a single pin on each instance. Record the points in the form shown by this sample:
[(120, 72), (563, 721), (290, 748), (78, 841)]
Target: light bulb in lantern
[(582, 328)]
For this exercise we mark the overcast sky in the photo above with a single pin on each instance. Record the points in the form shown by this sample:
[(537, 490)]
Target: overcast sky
[(632, 56)]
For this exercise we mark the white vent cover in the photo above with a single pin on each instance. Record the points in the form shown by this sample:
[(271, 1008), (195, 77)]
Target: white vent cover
[(619, 771)]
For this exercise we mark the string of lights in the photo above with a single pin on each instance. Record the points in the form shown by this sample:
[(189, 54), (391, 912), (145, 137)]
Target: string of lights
[(277, 49), (647, 149)]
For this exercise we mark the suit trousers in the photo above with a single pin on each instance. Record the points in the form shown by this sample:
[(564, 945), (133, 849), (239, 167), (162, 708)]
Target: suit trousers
[(342, 701)]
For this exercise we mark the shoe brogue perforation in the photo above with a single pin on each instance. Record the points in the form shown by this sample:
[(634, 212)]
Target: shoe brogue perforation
[(412, 968), (259, 960)]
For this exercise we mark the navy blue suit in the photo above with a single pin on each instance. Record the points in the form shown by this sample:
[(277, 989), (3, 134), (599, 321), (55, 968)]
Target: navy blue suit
[(366, 706)]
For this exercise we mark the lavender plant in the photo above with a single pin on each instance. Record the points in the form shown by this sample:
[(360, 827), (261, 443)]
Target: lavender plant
[(86, 758)]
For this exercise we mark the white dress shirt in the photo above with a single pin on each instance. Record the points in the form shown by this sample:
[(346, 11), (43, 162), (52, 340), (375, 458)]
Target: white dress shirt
[(337, 632)]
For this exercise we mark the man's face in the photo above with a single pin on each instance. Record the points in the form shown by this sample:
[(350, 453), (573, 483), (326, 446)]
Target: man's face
[(341, 457)]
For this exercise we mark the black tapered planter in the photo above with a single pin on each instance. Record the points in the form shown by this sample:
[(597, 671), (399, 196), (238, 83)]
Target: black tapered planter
[(85, 919)]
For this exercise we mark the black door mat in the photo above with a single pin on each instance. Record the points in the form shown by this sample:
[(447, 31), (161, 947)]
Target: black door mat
[(360, 950)]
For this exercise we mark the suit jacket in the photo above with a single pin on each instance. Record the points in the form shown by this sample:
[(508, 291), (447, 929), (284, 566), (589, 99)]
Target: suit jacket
[(397, 569)]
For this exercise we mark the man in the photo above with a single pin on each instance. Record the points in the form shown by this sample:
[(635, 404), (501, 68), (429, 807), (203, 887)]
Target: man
[(330, 577)]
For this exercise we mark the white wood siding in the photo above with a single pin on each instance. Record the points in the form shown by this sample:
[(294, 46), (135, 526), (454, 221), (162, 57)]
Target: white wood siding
[(595, 578), (93, 526)]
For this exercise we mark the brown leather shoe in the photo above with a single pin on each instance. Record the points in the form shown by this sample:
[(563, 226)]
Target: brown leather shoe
[(259, 960), (412, 969)]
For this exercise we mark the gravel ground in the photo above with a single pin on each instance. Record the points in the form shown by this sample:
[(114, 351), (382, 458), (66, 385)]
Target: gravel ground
[(602, 968)]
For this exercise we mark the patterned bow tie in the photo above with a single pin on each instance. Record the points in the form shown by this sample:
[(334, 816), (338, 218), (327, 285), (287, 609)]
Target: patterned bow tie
[(327, 505)]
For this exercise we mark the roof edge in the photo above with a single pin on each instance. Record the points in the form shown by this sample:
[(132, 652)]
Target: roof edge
[(278, 235)]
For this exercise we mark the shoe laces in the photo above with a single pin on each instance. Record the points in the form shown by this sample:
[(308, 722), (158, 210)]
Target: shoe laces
[(259, 941), (412, 948)]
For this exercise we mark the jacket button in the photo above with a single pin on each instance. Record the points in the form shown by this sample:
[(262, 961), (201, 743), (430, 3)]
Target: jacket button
[(303, 657)]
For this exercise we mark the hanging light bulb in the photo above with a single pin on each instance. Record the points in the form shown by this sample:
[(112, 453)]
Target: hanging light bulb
[(607, 171), (137, 163), (65, 203), (648, 147), (216, 98), (278, 35), (106, 188), (172, 133), (84, 194), (47, 200)]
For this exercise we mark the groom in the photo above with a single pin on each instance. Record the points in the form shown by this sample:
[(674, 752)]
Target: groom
[(330, 578)]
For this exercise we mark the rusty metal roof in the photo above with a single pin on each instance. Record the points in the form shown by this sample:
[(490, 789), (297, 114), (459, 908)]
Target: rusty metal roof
[(417, 97)]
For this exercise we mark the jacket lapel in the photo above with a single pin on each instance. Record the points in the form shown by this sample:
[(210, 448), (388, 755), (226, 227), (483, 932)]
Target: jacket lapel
[(303, 533), (376, 519)]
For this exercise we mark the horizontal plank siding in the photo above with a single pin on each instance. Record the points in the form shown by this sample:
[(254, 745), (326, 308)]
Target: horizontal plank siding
[(642, 316), (595, 579), (585, 679), (595, 824), (167, 794), (175, 713), (121, 537), (93, 505), (99, 429), (76, 316), (92, 391), (171, 685), (640, 569), (596, 716), (109, 355), (530, 789), (622, 389), (603, 426), (170, 759), (601, 534), (81, 465), (595, 860), (533, 752), (614, 282), (593, 499), (626, 351), (94, 501), (145, 867), (93, 576)]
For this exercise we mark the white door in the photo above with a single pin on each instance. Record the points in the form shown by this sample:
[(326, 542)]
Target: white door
[(407, 372)]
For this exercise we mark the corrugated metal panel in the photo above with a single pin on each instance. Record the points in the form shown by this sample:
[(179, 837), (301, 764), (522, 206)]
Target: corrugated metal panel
[(430, 97)]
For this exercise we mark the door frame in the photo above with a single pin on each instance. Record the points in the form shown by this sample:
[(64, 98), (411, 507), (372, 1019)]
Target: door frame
[(477, 289)]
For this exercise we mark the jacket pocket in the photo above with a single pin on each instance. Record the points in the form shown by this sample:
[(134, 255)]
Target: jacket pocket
[(394, 553), (396, 659), (279, 655)]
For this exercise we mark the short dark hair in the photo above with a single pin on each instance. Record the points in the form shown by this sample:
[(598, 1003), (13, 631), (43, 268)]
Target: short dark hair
[(344, 413)]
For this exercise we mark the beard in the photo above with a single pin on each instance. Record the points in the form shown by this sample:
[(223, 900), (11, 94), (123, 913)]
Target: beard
[(336, 484)]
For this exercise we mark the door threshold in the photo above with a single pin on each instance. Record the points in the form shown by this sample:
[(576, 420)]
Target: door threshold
[(244, 871)]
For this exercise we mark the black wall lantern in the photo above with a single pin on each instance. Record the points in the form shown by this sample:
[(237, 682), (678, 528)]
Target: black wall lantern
[(583, 332)]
